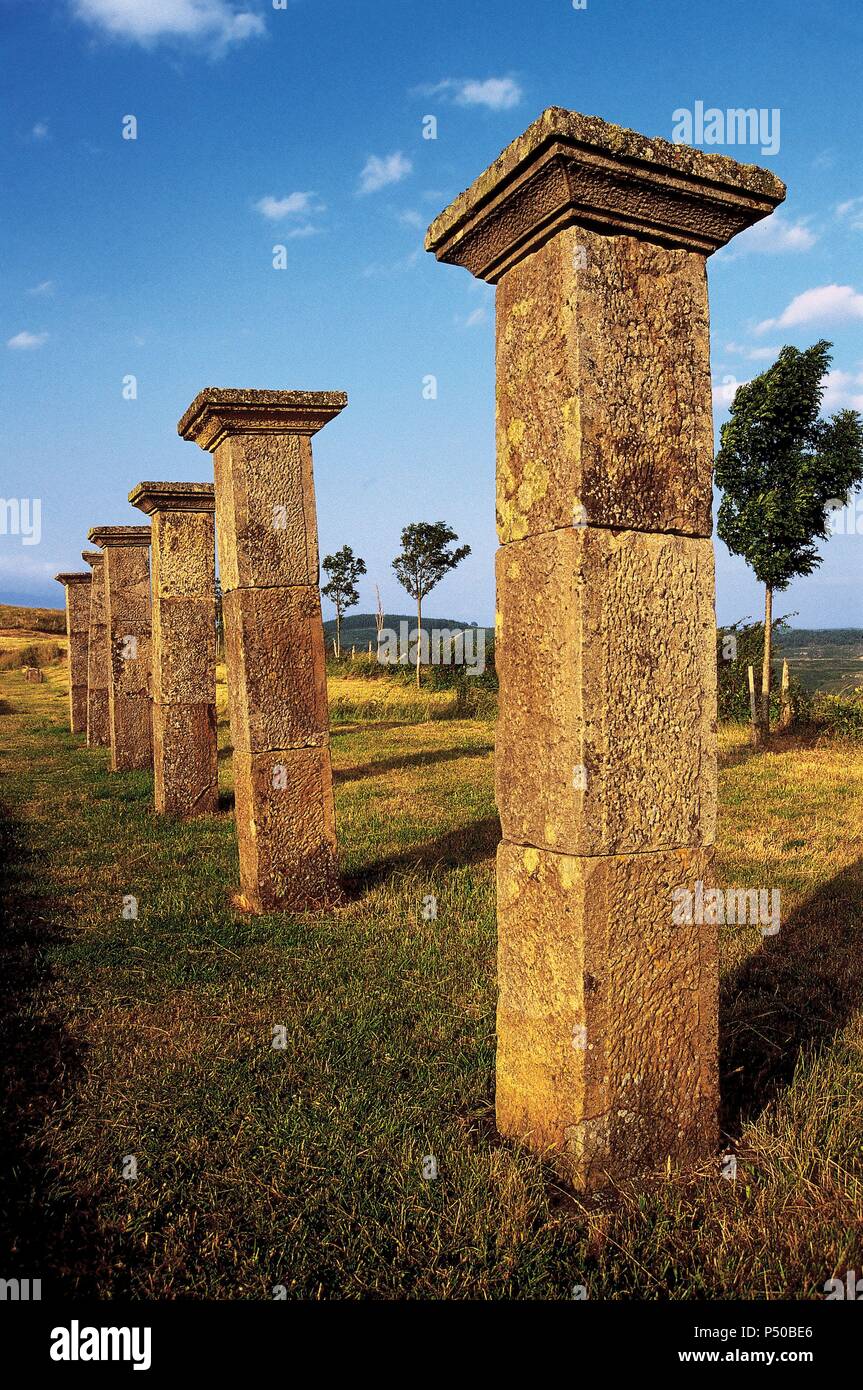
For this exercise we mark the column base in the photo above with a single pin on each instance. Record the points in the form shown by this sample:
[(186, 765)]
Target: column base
[(185, 760), (608, 1012), (286, 830)]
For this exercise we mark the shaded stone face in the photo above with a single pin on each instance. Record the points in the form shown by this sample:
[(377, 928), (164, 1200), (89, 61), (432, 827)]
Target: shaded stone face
[(268, 562), (77, 589), (98, 666), (185, 750), (128, 638), (605, 761)]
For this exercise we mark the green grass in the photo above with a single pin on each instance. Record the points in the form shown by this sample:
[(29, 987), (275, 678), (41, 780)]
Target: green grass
[(257, 1166)]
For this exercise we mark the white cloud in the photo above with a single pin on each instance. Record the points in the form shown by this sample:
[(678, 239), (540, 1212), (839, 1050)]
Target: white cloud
[(772, 236), (852, 210), (843, 391), (824, 302), (478, 316), (725, 391), (45, 287), (495, 93), (40, 131), (410, 218), (217, 22), (378, 173), (24, 341), (292, 205)]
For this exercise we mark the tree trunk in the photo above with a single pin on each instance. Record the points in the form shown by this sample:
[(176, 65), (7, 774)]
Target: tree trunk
[(338, 633), (419, 637), (768, 652)]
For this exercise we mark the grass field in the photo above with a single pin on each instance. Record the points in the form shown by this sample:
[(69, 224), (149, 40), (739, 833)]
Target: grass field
[(151, 1038)]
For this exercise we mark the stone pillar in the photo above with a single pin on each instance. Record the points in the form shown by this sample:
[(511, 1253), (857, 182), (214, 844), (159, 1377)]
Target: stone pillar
[(98, 665), (597, 239), (127, 643), (185, 751), (277, 694), (77, 586)]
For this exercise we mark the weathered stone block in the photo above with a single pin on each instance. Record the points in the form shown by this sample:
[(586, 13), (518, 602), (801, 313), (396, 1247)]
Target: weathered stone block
[(183, 553), (185, 759), (607, 1012), (607, 665), (285, 829), (265, 504), (276, 672), (184, 651), (603, 397)]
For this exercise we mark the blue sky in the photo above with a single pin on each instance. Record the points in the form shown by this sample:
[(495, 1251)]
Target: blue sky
[(303, 126)]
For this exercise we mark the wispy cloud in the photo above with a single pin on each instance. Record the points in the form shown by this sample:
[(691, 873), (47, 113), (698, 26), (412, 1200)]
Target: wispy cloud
[(752, 354), (495, 93), (26, 342), (292, 205), (379, 172), (380, 270), (40, 131), (851, 212), (772, 236), (824, 303), (44, 288), (217, 23), (411, 218)]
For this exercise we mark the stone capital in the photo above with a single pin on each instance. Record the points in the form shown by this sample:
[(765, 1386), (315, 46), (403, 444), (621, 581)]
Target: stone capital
[(110, 536), (92, 557), (173, 497), (573, 170), (216, 413), (74, 577)]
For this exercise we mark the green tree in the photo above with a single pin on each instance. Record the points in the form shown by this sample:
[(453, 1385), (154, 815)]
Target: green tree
[(343, 571), (779, 465), (423, 562)]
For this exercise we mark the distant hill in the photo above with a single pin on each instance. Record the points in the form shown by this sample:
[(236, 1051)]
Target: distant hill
[(358, 629), (32, 619), (827, 658)]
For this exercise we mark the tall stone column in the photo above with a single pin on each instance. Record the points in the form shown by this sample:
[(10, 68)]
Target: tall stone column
[(268, 560), (127, 642), (77, 587), (185, 752), (596, 239), (98, 665)]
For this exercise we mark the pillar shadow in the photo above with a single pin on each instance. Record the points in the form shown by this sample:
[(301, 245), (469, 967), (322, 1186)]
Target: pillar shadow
[(796, 992), (398, 764), (44, 1232), (457, 848)]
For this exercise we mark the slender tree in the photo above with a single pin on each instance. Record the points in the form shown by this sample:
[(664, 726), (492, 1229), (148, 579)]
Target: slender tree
[(779, 465), (343, 571), (424, 560)]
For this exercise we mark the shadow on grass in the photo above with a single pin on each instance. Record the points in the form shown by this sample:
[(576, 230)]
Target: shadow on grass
[(43, 1234), (434, 755), (469, 845), (797, 991)]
